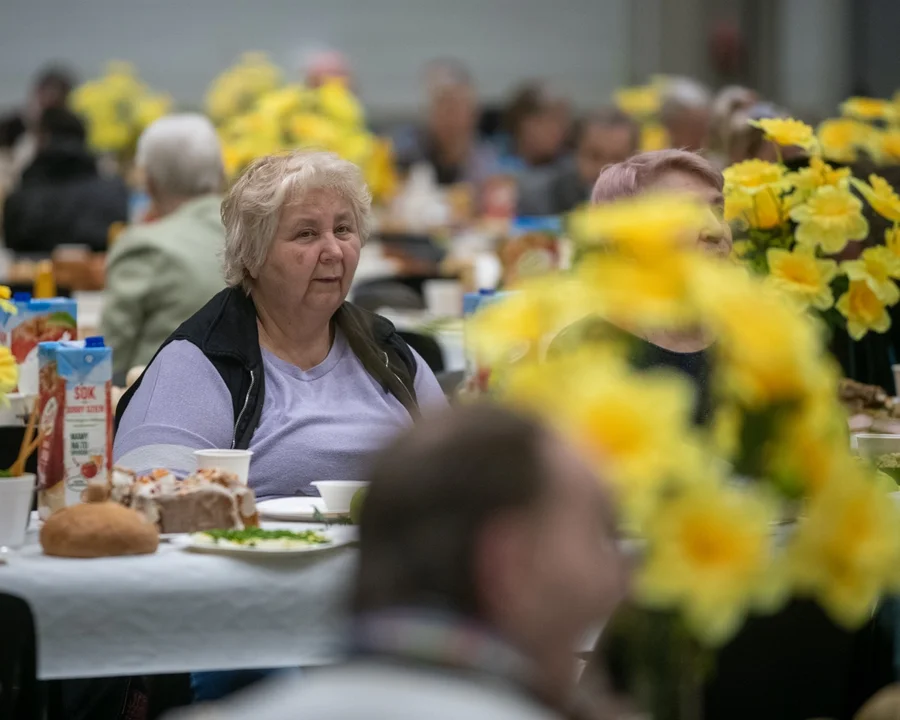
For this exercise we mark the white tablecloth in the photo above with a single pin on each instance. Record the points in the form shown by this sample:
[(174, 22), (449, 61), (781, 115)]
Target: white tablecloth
[(179, 611)]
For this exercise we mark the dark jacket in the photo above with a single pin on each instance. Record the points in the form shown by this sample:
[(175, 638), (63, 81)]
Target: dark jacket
[(62, 199), (226, 331)]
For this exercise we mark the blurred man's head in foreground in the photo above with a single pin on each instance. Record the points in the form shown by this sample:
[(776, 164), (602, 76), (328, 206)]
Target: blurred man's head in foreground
[(490, 517)]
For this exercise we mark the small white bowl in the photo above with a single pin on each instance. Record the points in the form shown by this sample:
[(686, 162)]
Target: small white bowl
[(337, 494)]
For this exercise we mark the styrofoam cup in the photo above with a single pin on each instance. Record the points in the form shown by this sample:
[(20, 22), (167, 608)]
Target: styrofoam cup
[(16, 494), (337, 494), (233, 461)]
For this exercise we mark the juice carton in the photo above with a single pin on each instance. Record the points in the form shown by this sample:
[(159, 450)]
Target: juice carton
[(76, 420), (35, 322)]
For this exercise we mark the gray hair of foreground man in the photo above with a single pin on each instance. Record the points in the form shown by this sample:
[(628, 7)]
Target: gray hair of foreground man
[(431, 494), (181, 156)]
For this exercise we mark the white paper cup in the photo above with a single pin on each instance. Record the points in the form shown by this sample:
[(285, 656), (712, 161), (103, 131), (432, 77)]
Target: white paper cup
[(337, 494), (233, 461), (443, 298), (15, 509)]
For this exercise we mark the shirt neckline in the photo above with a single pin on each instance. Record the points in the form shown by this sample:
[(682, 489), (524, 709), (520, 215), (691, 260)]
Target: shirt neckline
[(335, 355)]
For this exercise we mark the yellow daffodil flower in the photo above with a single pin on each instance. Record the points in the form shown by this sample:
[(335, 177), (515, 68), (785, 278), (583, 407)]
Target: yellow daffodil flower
[(866, 108), (710, 555), (639, 101), (876, 267), (654, 136), (339, 104), (638, 293), (753, 176), (863, 310), (642, 226), (767, 346), (787, 132), (819, 174), (9, 374), (881, 196), (840, 139), (804, 275), (892, 240), (5, 304), (846, 548), (829, 219), (760, 210)]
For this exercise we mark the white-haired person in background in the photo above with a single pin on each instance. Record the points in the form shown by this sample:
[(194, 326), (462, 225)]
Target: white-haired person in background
[(686, 113), (160, 273), (279, 363)]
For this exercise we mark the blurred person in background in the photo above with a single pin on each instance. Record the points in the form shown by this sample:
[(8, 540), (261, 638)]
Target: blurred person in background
[(743, 141), (730, 101), (686, 113), (448, 140), (326, 65), (684, 350), (18, 130), (603, 138), (538, 123), (487, 552), (160, 273), (62, 198)]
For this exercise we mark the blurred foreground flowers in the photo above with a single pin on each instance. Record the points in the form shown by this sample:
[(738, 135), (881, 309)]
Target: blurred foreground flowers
[(705, 500)]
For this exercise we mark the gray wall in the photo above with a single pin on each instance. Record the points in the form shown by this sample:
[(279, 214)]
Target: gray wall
[(180, 45)]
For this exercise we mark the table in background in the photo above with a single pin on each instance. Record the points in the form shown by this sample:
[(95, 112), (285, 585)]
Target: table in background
[(178, 611)]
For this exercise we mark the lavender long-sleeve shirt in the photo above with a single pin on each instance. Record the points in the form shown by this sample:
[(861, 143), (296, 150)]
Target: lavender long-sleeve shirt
[(317, 424)]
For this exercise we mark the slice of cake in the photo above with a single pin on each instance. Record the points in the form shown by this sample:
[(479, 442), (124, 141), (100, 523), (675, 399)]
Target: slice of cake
[(207, 500)]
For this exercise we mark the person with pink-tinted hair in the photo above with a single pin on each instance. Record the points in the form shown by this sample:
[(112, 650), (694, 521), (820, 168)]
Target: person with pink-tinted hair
[(683, 350)]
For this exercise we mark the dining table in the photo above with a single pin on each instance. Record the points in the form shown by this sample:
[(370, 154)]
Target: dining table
[(178, 610)]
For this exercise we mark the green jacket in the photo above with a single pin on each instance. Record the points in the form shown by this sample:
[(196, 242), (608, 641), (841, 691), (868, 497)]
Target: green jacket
[(157, 276)]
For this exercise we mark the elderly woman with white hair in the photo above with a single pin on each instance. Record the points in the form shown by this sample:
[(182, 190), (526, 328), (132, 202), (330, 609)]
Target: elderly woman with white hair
[(278, 362), (161, 272)]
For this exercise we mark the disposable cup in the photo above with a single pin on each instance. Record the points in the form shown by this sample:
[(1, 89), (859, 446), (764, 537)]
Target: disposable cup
[(233, 461)]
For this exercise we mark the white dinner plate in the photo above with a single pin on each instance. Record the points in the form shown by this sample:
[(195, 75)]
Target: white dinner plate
[(189, 542), (291, 509)]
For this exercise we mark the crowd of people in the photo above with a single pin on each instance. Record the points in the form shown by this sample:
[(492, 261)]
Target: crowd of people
[(488, 549)]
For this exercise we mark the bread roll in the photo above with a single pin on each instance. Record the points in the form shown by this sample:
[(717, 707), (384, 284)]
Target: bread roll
[(98, 529)]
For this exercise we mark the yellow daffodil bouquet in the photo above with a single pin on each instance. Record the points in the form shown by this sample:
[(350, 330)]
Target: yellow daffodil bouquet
[(259, 115), (704, 499), (796, 227), (116, 108)]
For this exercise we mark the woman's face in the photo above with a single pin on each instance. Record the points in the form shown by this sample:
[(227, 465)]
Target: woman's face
[(314, 254), (715, 237)]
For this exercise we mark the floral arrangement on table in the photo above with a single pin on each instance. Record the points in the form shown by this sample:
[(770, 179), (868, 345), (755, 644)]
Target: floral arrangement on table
[(705, 502), (9, 378), (869, 126), (792, 225), (116, 108), (258, 115), (643, 103)]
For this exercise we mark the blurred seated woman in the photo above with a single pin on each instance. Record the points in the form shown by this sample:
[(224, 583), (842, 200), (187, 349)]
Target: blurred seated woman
[(278, 362), (679, 171)]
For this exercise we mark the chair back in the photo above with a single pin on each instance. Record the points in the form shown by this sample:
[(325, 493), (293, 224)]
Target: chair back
[(19, 694)]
